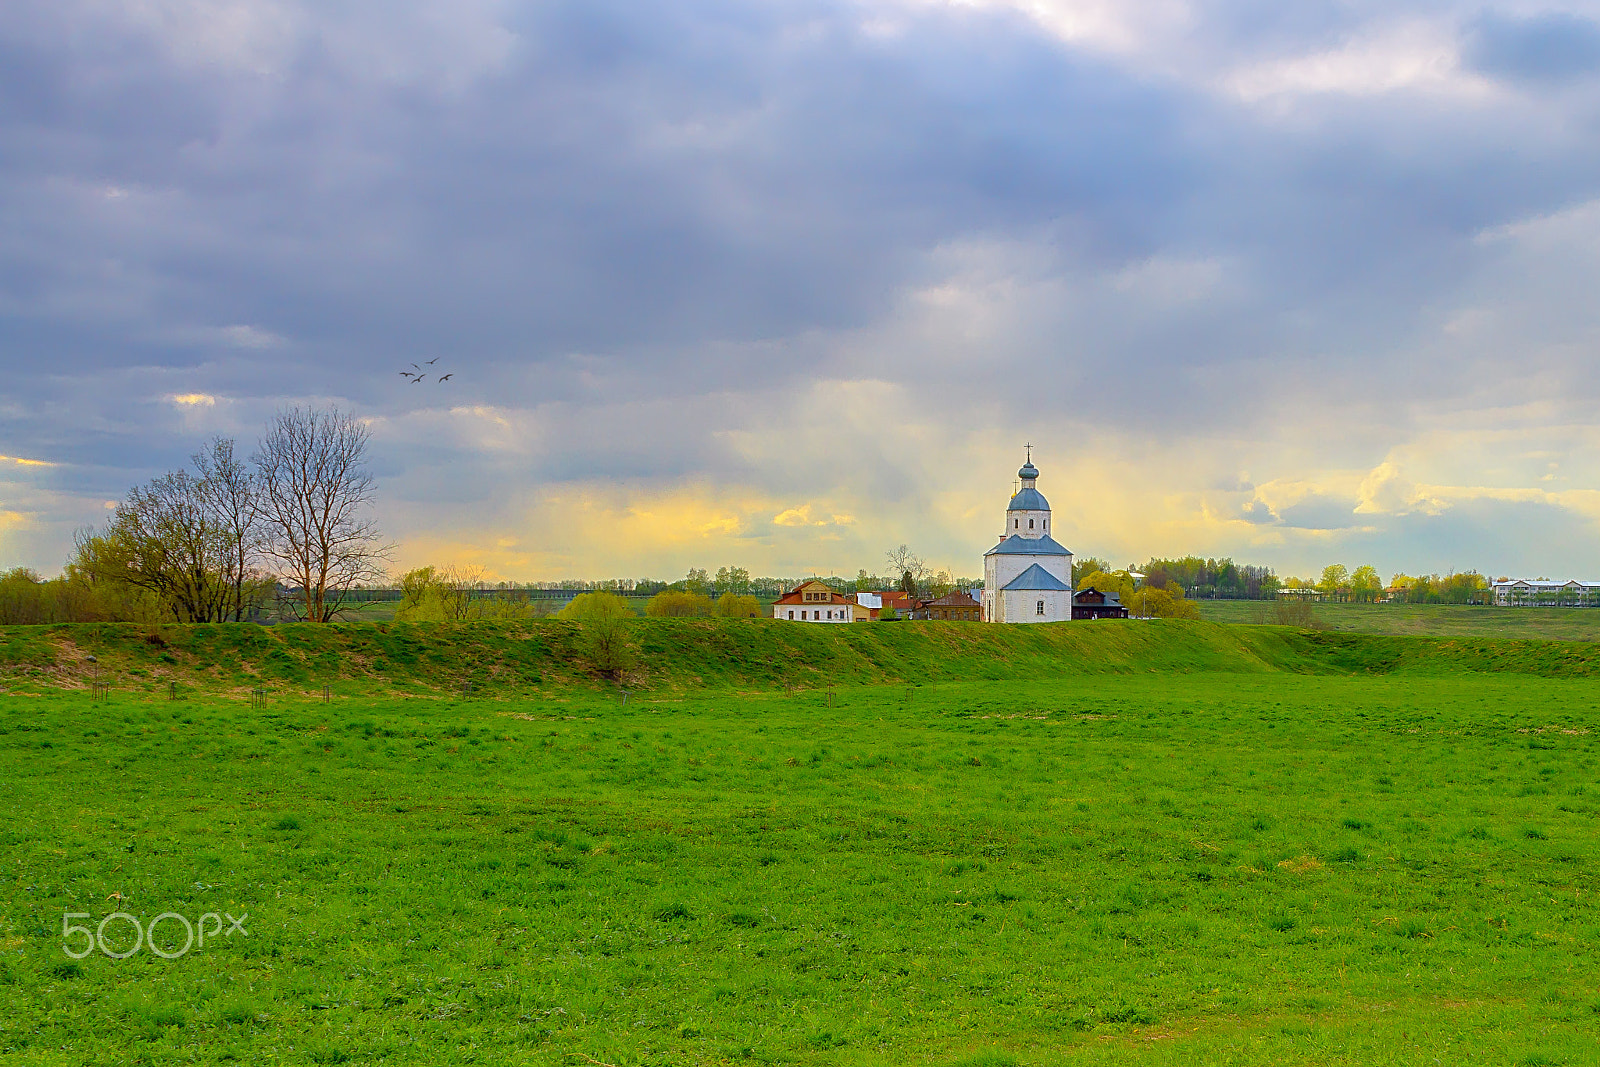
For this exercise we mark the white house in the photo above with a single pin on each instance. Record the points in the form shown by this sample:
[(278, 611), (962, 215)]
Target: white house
[(1027, 577), (814, 602)]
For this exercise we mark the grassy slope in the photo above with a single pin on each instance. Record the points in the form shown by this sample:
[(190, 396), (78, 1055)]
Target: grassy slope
[(515, 658), (1428, 620), (1171, 869)]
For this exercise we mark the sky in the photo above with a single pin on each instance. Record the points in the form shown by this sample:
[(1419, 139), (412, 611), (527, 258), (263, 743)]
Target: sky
[(783, 285)]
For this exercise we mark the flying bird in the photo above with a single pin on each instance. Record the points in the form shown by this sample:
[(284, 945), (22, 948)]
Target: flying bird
[(447, 377), (432, 361), (418, 379), (405, 374)]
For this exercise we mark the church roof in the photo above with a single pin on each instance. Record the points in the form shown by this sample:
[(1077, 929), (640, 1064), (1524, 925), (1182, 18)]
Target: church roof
[(1037, 578), (1029, 546), (1028, 500)]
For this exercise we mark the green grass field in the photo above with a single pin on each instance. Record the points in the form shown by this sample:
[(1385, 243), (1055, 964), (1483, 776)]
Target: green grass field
[(1434, 620), (1338, 850)]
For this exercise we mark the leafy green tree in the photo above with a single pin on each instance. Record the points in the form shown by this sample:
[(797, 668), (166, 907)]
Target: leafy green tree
[(732, 580), (863, 581), (1335, 580), (603, 618), (419, 596), (1083, 565), (1365, 585), (697, 581)]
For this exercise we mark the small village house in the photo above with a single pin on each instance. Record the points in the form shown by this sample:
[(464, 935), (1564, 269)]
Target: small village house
[(814, 601), (955, 606), (1091, 603), (873, 605)]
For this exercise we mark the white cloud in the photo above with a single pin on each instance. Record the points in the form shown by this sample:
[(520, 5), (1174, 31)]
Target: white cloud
[(1420, 56)]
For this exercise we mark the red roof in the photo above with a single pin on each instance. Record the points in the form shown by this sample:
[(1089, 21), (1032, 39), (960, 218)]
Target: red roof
[(794, 597)]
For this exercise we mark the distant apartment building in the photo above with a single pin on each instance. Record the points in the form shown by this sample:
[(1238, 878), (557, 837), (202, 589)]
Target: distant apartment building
[(1544, 593)]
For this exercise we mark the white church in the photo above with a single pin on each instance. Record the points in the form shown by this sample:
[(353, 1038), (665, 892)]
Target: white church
[(1027, 577)]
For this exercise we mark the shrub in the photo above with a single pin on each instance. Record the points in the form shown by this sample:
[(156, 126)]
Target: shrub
[(676, 604), (1296, 613), (604, 617), (732, 606)]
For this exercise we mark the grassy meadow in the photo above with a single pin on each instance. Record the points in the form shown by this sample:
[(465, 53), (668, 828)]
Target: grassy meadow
[(1370, 863), (1433, 620)]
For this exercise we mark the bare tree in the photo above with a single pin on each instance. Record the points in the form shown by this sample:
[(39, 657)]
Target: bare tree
[(315, 492), (229, 488), (912, 569), (902, 560), (163, 539)]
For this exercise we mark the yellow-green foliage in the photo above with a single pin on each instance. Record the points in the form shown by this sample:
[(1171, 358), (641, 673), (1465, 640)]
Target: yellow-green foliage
[(27, 599), (677, 604), (734, 606), (604, 640), (422, 594), (432, 594), (1117, 582), (1168, 603), (589, 607)]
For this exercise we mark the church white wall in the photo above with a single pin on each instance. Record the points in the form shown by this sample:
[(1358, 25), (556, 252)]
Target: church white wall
[(1017, 523), (813, 613), (1022, 606)]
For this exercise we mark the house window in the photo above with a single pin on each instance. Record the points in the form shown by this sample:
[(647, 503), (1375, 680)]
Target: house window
[(791, 616), (1039, 609)]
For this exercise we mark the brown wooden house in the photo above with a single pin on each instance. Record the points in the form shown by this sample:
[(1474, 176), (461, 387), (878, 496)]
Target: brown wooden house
[(952, 607), (1091, 603)]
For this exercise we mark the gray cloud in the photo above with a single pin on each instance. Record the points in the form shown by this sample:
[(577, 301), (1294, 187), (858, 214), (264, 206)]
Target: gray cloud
[(1552, 47), (640, 230)]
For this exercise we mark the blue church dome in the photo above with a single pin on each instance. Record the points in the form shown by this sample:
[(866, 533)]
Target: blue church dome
[(1028, 500), (1028, 470)]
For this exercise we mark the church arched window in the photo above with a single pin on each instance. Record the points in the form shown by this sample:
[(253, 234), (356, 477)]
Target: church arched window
[(1039, 610), (1030, 524)]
